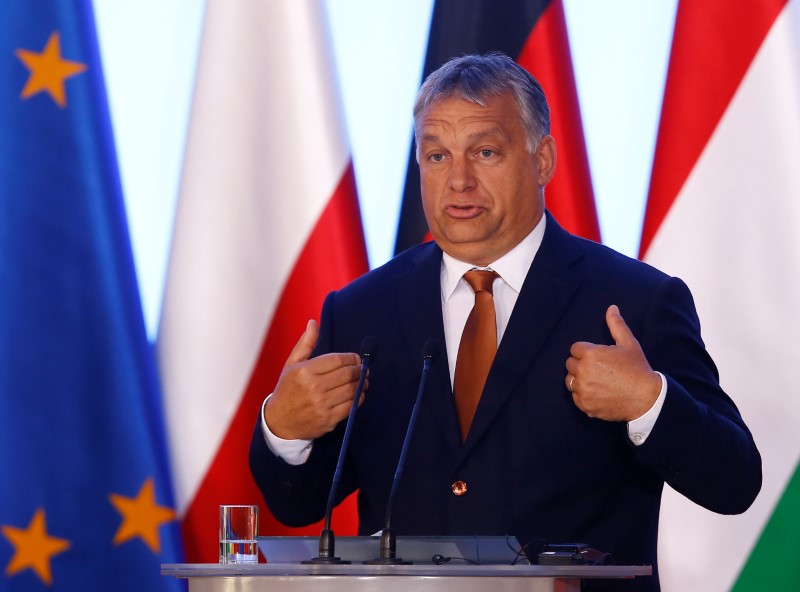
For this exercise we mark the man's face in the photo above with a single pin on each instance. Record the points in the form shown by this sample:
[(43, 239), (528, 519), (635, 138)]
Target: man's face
[(482, 191)]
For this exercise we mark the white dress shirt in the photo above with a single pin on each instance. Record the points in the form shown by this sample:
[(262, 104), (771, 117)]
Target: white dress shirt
[(457, 302), (458, 297)]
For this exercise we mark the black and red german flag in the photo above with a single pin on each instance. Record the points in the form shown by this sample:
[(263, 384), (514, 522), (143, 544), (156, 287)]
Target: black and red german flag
[(534, 32)]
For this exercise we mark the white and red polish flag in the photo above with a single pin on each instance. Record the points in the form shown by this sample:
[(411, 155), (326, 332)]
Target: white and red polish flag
[(724, 214), (267, 223)]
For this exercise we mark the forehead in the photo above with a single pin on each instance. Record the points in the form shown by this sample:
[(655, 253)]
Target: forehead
[(456, 115)]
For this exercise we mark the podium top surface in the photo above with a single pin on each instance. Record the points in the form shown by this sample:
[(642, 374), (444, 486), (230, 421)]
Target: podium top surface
[(200, 570)]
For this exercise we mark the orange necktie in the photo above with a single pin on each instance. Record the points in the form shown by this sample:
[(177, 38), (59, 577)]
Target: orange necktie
[(476, 350)]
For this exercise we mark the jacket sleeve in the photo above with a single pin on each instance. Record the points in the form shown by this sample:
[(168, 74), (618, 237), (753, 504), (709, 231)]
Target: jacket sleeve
[(297, 495), (699, 445)]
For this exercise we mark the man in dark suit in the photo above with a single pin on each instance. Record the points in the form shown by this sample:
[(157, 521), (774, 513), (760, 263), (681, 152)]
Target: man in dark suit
[(600, 391)]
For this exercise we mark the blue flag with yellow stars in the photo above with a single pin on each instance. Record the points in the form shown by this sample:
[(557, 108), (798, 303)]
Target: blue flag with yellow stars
[(85, 497)]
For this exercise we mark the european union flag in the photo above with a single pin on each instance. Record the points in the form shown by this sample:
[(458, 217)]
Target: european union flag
[(85, 498)]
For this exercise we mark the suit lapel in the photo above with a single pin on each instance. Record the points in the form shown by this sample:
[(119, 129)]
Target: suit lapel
[(420, 302), (548, 288)]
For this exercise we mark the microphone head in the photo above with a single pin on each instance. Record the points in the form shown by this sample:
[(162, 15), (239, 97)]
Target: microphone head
[(430, 350), (367, 346)]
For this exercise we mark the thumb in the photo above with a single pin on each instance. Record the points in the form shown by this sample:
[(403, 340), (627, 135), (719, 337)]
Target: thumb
[(619, 328), (308, 340)]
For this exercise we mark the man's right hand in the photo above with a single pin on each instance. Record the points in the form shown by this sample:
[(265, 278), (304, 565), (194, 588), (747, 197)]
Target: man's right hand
[(312, 395)]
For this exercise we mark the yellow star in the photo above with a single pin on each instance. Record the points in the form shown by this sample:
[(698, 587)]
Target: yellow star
[(141, 516), (33, 548), (48, 70)]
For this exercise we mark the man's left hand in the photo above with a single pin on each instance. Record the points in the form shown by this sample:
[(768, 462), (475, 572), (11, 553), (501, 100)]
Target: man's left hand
[(612, 382)]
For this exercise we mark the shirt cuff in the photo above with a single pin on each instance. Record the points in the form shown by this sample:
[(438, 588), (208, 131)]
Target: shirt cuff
[(293, 452), (640, 428)]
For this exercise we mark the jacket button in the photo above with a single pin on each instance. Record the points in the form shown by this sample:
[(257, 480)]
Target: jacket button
[(459, 488)]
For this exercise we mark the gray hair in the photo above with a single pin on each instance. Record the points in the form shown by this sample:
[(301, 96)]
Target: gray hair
[(476, 78)]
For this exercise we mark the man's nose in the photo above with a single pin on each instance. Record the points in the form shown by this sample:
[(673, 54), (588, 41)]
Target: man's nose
[(462, 177)]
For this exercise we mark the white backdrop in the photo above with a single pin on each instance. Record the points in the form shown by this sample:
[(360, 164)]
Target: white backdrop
[(620, 50)]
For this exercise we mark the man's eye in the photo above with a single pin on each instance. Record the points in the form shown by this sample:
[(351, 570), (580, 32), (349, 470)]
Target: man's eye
[(486, 153), (436, 157)]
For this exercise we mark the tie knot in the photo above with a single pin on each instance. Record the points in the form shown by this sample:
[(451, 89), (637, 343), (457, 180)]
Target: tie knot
[(480, 280)]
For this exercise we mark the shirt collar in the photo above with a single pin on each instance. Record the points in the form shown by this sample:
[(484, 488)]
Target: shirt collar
[(513, 266)]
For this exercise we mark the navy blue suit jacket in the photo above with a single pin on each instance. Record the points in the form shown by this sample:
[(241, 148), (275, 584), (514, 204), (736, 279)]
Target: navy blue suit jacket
[(534, 464)]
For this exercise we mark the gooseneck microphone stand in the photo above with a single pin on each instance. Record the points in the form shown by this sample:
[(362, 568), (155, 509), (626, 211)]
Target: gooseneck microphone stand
[(327, 540), (388, 554)]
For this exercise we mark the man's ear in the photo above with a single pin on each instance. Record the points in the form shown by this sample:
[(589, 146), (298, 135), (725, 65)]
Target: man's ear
[(546, 159)]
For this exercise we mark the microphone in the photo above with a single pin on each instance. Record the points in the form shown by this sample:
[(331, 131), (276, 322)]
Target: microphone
[(388, 554), (327, 540)]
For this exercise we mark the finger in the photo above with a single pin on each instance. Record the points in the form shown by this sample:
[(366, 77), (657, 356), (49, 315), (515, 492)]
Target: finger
[(340, 396), (333, 362), (572, 365), (579, 349), (619, 328), (305, 345), (340, 412), (343, 376)]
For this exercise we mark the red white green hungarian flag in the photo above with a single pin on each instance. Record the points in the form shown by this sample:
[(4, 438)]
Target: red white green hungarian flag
[(723, 214)]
